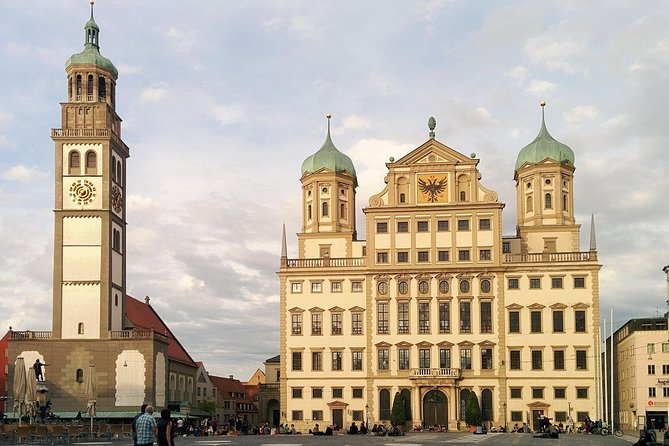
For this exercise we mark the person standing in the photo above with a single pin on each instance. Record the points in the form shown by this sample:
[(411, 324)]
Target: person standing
[(146, 427), (38, 370), (164, 427), (134, 423)]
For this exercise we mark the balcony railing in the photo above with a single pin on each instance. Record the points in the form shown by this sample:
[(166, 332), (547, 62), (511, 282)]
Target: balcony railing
[(435, 373), (270, 386), (135, 334), (29, 334), (324, 262), (85, 133), (551, 257)]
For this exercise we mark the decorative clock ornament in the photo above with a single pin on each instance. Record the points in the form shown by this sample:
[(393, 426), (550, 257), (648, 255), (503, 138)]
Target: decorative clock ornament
[(117, 199), (82, 192)]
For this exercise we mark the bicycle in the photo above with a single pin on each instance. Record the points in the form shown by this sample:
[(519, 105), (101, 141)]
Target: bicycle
[(618, 432)]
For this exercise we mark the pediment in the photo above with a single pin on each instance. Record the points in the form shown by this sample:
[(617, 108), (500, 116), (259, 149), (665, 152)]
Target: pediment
[(336, 309), (296, 310), (434, 152)]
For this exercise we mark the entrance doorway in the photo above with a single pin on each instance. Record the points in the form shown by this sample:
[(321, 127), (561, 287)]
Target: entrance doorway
[(656, 420), (435, 409), (536, 414), (338, 417)]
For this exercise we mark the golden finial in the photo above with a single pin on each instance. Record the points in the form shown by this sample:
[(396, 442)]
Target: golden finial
[(91, 2), (329, 116), (542, 103)]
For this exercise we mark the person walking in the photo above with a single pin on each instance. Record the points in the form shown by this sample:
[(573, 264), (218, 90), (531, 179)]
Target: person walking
[(164, 427), (146, 427), (134, 423)]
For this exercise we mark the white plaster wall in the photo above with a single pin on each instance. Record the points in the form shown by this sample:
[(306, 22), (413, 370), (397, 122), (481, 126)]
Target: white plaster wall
[(423, 240), (81, 263), (97, 184), (160, 379), (443, 239), (82, 231), (402, 241), (130, 378), (81, 304), (117, 268)]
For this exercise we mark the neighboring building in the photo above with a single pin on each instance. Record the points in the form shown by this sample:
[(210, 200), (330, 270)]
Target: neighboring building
[(205, 389), (268, 395), (4, 369), (136, 358), (257, 378), (437, 303), (234, 400)]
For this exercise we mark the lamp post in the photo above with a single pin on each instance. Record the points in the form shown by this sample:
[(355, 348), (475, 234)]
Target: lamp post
[(367, 416), (506, 427)]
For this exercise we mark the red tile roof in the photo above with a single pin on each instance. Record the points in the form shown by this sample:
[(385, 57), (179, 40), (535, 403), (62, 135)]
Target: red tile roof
[(144, 317), (227, 386)]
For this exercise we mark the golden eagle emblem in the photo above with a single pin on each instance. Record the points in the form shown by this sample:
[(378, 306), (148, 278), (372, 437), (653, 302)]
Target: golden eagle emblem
[(432, 188)]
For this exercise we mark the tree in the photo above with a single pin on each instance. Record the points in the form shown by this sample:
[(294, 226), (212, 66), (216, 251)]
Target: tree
[(472, 410), (398, 416), (208, 406)]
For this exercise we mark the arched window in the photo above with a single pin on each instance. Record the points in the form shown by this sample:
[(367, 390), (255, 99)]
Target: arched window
[(89, 87), (464, 396), (79, 90), (384, 404), (116, 239), (486, 405), (565, 202), (91, 163), (69, 87), (406, 394), (116, 300), (528, 203), (80, 328), (549, 201), (342, 211), (113, 168), (79, 376), (102, 88), (75, 163), (403, 198), (309, 212), (325, 210), (119, 172)]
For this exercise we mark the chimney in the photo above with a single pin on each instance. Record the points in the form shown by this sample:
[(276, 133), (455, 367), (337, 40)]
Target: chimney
[(232, 376), (146, 300)]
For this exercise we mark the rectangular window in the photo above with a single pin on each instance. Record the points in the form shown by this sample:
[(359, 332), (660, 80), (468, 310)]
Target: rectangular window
[(423, 317), (316, 323), (560, 392), (579, 321), (424, 358), (466, 358), (514, 359), (382, 311), (514, 321), (556, 282), (463, 225), (356, 323), (336, 360), (316, 361), (465, 317), (537, 359), (535, 321), (665, 369), (484, 224), (336, 323), (317, 415), (381, 227), (422, 226), (297, 361), (443, 256), (356, 287), (357, 392), (537, 392), (558, 321), (486, 358), (485, 254), (297, 392), (316, 287), (652, 392), (558, 359), (358, 415), (297, 415), (336, 287), (381, 257), (506, 247), (296, 287), (581, 416), (296, 324), (516, 415), (486, 317), (402, 226), (581, 360), (403, 357), (356, 358), (442, 225), (337, 392), (513, 284), (650, 348), (665, 347), (444, 317), (402, 257), (560, 416), (582, 392), (516, 392), (535, 283), (423, 256), (463, 255), (402, 318), (579, 282), (445, 358), (665, 392), (651, 369), (384, 358)]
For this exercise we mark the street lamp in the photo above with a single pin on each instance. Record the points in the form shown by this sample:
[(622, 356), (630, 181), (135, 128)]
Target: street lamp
[(506, 427), (367, 416)]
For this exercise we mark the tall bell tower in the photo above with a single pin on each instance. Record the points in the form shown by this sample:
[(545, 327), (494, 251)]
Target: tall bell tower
[(89, 268)]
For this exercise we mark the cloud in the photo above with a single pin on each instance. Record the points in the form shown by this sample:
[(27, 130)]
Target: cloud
[(180, 41), (541, 87), (155, 94), (554, 51), (228, 114), (353, 122), (23, 174), (6, 118), (581, 113)]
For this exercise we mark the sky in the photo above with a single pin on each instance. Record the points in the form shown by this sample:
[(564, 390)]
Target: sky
[(221, 102)]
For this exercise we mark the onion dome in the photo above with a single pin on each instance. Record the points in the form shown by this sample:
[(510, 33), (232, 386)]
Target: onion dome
[(91, 53), (543, 147), (328, 157)]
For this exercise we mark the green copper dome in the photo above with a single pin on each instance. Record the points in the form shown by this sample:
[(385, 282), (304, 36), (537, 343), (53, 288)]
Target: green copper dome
[(91, 53), (328, 157), (544, 146)]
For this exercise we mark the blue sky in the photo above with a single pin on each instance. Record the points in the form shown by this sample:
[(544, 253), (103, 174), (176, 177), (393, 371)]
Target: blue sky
[(222, 101)]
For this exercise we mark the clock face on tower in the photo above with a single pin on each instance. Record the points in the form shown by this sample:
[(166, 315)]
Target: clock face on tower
[(82, 192), (116, 199), (432, 188)]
